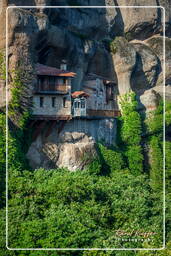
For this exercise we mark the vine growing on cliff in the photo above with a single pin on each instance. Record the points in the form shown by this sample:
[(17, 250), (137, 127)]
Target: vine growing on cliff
[(131, 130)]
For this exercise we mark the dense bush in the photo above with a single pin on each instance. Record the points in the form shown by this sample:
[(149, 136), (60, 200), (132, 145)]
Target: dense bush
[(110, 158), (155, 124), (131, 130), (156, 163), (57, 208)]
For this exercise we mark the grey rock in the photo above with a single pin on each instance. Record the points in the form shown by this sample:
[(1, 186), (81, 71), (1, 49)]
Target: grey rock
[(141, 23), (156, 43), (74, 147), (149, 101), (124, 60), (147, 69)]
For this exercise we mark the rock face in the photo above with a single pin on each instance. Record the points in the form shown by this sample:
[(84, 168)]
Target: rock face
[(73, 151), (82, 36), (147, 68), (74, 147), (149, 100), (124, 59)]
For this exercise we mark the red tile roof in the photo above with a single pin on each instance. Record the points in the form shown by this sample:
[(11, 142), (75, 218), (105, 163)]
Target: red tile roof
[(51, 71), (78, 94)]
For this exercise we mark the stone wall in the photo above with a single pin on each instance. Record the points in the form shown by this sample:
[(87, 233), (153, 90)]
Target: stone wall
[(47, 108), (97, 100)]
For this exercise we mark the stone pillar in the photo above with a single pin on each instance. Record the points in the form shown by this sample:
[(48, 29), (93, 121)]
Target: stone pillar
[(124, 59)]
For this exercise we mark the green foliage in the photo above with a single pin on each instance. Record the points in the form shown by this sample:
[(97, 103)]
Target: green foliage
[(168, 113), (2, 157), (2, 65), (168, 162), (135, 158), (120, 45), (94, 167), (155, 124), (156, 163), (128, 36), (130, 133), (16, 150), (131, 129), (112, 159), (155, 121), (113, 46), (57, 208), (17, 110)]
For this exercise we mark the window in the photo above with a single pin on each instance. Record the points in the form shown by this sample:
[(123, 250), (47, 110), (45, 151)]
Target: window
[(53, 102), (109, 92), (64, 80), (82, 103), (41, 101), (76, 104), (64, 102)]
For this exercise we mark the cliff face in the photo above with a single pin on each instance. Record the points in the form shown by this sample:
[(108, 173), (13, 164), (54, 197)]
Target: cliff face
[(82, 36)]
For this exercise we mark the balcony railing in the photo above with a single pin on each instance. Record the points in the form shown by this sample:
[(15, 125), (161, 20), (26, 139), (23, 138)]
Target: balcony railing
[(54, 90)]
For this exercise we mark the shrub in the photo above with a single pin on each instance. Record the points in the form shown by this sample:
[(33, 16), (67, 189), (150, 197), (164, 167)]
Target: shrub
[(111, 158), (156, 163), (130, 133)]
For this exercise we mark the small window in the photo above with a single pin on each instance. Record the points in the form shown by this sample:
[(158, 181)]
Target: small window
[(53, 102), (41, 101), (82, 103), (64, 102), (64, 80), (75, 104)]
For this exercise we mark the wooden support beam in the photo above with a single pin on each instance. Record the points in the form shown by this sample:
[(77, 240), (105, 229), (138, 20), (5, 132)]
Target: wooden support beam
[(61, 126), (51, 117), (38, 129), (50, 127), (32, 123)]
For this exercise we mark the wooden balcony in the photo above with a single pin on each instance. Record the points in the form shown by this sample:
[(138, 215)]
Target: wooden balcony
[(103, 113), (56, 89)]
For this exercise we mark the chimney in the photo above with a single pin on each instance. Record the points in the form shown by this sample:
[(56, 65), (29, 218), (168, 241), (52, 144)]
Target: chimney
[(63, 65)]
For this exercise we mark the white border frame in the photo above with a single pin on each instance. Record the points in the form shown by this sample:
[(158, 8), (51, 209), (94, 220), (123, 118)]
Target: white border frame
[(164, 69)]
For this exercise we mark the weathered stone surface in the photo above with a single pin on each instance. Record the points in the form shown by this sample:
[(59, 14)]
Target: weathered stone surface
[(124, 60), (74, 147), (141, 23), (34, 153), (146, 70), (156, 43), (149, 100), (164, 91), (73, 151)]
